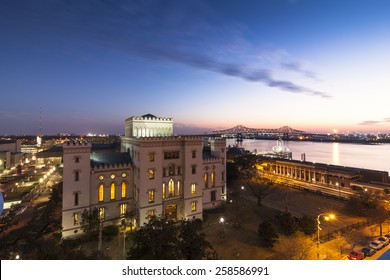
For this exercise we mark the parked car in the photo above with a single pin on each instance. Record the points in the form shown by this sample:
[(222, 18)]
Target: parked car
[(368, 252), (384, 240), (376, 245), (356, 255)]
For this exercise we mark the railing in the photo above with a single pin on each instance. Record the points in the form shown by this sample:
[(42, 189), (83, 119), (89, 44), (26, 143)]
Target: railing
[(344, 230)]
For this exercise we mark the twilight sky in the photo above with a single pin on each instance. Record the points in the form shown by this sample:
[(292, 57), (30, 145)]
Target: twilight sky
[(312, 65)]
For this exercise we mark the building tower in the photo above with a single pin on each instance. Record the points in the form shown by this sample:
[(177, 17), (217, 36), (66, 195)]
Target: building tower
[(76, 182)]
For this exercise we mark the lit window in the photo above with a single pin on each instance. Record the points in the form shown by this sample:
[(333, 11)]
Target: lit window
[(151, 174), (163, 190), (151, 196), (112, 191), (101, 177), (178, 188), (124, 175), (101, 213), (123, 209), (193, 206), (151, 213), (193, 189), (171, 188), (101, 192), (123, 190), (112, 176), (75, 218), (206, 180), (212, 179), (151, 157)]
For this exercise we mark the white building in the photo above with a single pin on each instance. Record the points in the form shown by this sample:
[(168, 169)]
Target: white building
[(162, 174), (94, 180), (10, 154)]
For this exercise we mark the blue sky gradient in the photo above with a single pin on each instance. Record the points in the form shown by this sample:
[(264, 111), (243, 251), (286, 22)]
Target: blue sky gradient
[(313, 65)]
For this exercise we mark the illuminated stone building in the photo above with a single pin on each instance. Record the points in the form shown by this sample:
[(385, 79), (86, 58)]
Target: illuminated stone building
[(335, 180), (10, 154), (156, 173)]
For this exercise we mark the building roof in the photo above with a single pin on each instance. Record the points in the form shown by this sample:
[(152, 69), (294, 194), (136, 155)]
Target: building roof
[(149, 116), (57, 151), (330, 167), (235, 151), (109, 158)]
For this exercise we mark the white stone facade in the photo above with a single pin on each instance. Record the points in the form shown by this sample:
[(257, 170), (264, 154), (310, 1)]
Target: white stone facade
[(81, 186), (148, 126), (174, 176)]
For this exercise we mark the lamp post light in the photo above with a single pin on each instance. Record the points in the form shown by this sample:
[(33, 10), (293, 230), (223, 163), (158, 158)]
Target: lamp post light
[(327, 217), (222, 221), (337, 185)]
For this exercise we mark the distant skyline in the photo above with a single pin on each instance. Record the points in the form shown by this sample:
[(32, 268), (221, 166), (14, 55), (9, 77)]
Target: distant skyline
[(311, 65)]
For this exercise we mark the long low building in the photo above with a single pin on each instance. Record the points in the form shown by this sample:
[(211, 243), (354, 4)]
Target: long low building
[(332, 179)]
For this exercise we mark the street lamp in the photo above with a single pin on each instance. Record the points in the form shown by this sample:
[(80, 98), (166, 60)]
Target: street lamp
[(327, 217)]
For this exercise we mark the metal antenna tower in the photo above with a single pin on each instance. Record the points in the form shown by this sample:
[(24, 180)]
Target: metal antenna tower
[(40, 120)]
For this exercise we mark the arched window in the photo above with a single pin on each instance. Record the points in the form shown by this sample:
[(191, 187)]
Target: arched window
[(212, 179), (206, 180), (112, 190), (178, 188), (171, 188), (163, 190), (123, 186), (101, 192)]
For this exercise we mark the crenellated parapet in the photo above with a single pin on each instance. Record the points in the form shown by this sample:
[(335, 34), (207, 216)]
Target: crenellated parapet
[(106, 166), (148, 117), (211, 159), (77, 143), (72, 147)]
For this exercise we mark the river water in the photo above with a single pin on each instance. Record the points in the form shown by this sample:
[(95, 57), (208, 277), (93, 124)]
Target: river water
[(354, 155)]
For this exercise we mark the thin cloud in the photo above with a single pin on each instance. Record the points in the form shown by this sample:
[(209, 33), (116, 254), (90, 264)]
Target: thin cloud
[(186, 32), (296, 66), (371, 122)]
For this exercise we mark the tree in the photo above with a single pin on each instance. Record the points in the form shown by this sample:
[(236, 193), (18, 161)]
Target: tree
[(163, 239), (339, 242), (372, 206), (267, 233), (155, 240), (231, 172), (296, 247), (308, 225), (259, 185), (192, 243), (287, 221), (129, 216), (90, 221)]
